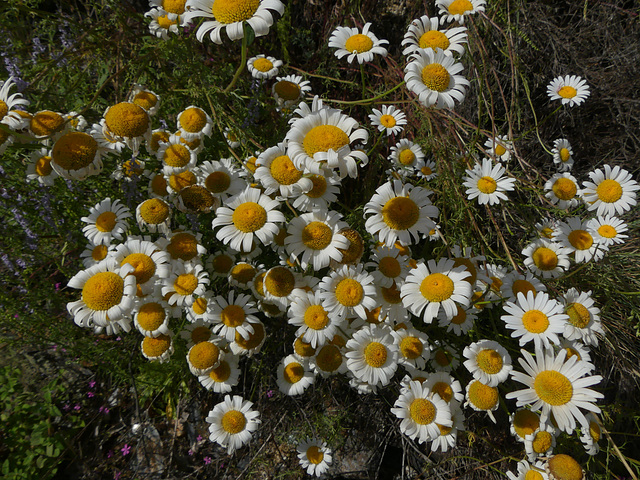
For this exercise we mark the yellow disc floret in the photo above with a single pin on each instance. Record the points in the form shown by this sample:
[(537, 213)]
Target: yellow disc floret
[(487, 185), (580, 239), (535, 321), (437, 287), (46, 123), (489, 361), (194, 119), (144, 266), (43, 165), (434, 39), (400, 213), (145, 99), (349, 292), (127, 120), (545, 259), (567, 92), (460, 7), (74, 150), (155, 347), (293, 372), (358, 43), (314, 455), (553, 388), (406, 157), (204, 355), (375, 354), (317, 235), (249, 217), (151, 316), (287, 90), (323, 138), (609, 191), (183, 245), (329, 358), (263, 64), (233, 421), (221, 373), (564, 467), (316, 317), (232, 11), (564, 188), (154, 211), (436, 77), (176, 156), (243, 273), (422, 411), (103, 290), (483, 396), (233, 316), (185, 284), (279, 281), (525, 422), (217, 182), (284, 171), (579, 315), (411, 347)]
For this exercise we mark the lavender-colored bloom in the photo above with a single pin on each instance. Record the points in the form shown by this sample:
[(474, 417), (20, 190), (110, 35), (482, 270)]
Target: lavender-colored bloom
[(38, 48)]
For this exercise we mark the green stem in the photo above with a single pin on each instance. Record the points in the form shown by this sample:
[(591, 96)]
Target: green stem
[(368, 100), (243, 61), (382, 133), (364, 85)]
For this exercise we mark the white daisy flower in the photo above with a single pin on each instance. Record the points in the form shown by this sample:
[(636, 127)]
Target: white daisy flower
[(232, 137), (406, 154), (222, 178), (129, 170), (174, 8), (158, 136), (387, 266), (423, 33), (562, 190), (230, 16), (612, 192), (328, 360), (547, 228), (488, 183), (560, 465), (108, 294), (106, 139), (220, 264), (523, 422), (251, 345), (128, 123), (289, 90), (461, 322), (76, 156), (162, 24), (323, 139), (325, 189), (196, 332), (224, 377), (40, 167), (9, 103), (482, 398), (293, 377), (422, 413), (445, 386), (277, 173), (497, 275), (175, 156), (584, 317), (45, 125), (280, 285), (607, 230), (527, 471), (413, 347), (347, 292), (358, 46), (546, 259), (426, 170), (535, 317), (263, 67), (390, 119), (202, 308), (575, 237), (400, 212), (234, 316), (232, 422), (372, 355), (205, 356), (499, 148), (315, 457), (157, 349), (314, 323), (433, 77), (94, 254), (591, 433), (247, 215), (183, 244), (570, 90), (186, 282), (107, 220), (557, 387), (176, 182), (456, 10), (194, 122), (154, 215), (151, 265), (488, 361), (242, 274), (145, 98), (562, 154), (434, 285), (449, 435), (313, 238), (514, 283), (577, 349)]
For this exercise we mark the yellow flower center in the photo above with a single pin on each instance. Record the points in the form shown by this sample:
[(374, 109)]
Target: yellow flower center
[(411, 347), (243, 273), (579, 315), (177, 155), (375, 354), (144, 266), (329, 358), (443, 358), (222, 263), (444, 390), (249, 217), (165, 22), (4, 135), (106, 221), (525, 422), (542, 442), (221, 373), (609, 191), (4, 109), (314, 455), (103, 291), (594, 430), (391, 294), (469, 267), (323, 138), (535, 321), (422, 411), (43, 166), (199, 305), (74, 150), (263, 64), (388, 121), (572, 352), (500, 150), (303, 348), (436, 77), (194, 119), (151, 316), (533, 475), (319, 186), (400, 213), (564, 154), (283, 171), (293, 372), (233, 316), (489, 361), (156, 138), (553, 387), (483, 396), (233, 421), (607, 231), (580, 239), (232, 11), (197, 199), (460, 7), (436, 287), (406, 157), (426, 171), (46, 123), (287, 90), (317, 235), (204, 355), (146, 100), (217, 182), (390, 267), (434, 39), (154, 211), (99, 252), (487, 185), (567, 92), (185, 284), (354, 252), (183, 245), (159, 185), (279, 281), (316, 317), (564, 188), (349, 292), (127, 120), (545, 259), (373, 316), (358, 43), (254, 340), (155, 347), (564, 467), (522, 286), (182, 180), (174, 6)]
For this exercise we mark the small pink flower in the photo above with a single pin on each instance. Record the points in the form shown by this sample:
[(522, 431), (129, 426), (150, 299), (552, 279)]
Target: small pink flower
[(117, 475), (125, 450), (199, 438), (90, 394), (92, 383), (269, 393), (110, 454), (190, 452), (207, 460), (77, 407)]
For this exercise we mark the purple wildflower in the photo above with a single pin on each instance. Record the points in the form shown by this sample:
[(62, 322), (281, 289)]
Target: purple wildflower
[(125, 450)]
